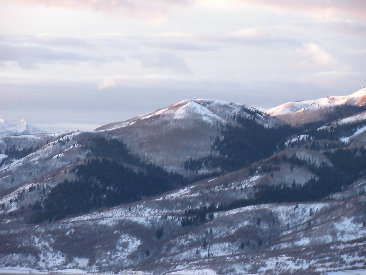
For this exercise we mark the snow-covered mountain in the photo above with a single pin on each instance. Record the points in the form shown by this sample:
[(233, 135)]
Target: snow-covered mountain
[(211, 112), (18, 128), (356, 99), (189, 128), (302, 112), (183, 138), (199, 185)]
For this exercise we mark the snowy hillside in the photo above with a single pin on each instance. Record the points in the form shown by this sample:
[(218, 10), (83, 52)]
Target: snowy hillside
[(189, 127), (201, 185), (204, 226), (209, 111), (19, 128), (357, 99)]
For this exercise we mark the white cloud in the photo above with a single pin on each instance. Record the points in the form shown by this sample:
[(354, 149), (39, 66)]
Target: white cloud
[(28, 51), (106, 83), (317, 54)]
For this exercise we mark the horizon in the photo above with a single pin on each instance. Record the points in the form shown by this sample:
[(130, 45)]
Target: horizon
[(62, 126), (66, 65)]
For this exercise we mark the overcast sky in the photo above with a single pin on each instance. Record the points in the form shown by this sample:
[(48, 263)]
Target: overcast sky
[(72, 64)]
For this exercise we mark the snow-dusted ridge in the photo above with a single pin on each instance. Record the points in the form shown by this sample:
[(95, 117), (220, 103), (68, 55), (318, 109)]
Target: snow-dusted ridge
[(291, 237), (210, 111), (357, 99)]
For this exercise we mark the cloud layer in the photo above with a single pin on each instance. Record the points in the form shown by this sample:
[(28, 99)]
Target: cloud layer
[(348, 8), (150, 9), (159, 8), (125, 57)]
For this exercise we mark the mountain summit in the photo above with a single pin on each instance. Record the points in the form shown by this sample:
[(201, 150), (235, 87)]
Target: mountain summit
[(208, 111)]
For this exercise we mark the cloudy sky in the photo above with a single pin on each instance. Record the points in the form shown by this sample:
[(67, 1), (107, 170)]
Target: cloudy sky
[(72, 64)]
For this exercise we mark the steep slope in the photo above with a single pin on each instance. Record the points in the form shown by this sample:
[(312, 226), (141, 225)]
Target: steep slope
[(302, 112)]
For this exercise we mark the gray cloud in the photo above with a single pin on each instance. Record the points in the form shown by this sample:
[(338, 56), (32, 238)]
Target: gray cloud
[(28, 51), (164, 61), (62, 41), (154, 51), (28, 56)]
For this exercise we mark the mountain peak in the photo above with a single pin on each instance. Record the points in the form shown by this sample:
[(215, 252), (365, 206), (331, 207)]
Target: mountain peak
[(208, 111), (192, 107)]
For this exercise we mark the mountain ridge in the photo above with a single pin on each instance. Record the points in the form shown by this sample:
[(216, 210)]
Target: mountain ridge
[(356, 98), (204, 108), (254, 192)]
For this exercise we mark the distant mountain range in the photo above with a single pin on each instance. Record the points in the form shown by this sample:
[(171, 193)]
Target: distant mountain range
[(19, 128), (197, 186)]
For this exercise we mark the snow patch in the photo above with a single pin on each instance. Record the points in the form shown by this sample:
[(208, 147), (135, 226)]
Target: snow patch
[(193, 272), (315, 159), (347, 230), (48, 258), (348, 272), (2, 156), (126, 245), (352, 119), (69, 271), (298, 139), (20, 270), (358, 132), (178, 194)]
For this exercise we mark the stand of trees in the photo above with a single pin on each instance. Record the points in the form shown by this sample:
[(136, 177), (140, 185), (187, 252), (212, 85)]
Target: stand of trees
[(105, 182), (242, 145), (348, 165)]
